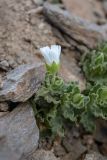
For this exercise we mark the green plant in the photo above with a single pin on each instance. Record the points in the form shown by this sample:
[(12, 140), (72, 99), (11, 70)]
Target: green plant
[(94, 65), (96, 106), (57, 102)]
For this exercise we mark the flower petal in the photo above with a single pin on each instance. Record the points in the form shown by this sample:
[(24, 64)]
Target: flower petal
[(56, 50), (51, 54), (45, 51)]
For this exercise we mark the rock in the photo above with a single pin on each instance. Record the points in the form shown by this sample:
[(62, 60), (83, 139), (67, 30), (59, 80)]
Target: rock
[(19, 130), (4, 65), (3, 114), (71, 71), (88, 141), (67, 75), (22, 38), (59, 151), (38, 2), (1, 82), (95, 156), (4, 107), (45, 143), (42, 155), (90, 10), (6, 153), (22, 82), (75, 149), (105, 6), (100, 134), (103, 149), (68, 157), (67, 145), (79, 33)]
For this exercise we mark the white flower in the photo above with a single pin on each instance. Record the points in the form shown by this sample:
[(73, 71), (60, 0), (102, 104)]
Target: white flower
[(51, 54)]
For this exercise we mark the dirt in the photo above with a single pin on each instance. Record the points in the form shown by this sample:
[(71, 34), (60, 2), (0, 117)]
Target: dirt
[(22, 32)]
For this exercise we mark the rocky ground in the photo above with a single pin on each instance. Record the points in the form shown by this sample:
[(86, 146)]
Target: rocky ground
[(25, 26)]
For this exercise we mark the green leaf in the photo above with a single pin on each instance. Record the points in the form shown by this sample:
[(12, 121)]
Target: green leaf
[(99, 59), (102, 92), (55, 122), (68, 112), (87, 120), (78, 100)]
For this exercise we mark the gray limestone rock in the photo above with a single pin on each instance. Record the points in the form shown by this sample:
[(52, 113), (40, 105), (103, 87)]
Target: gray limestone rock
[(22, 82), (19, 130)]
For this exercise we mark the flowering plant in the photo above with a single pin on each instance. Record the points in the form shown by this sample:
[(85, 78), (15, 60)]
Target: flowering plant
[(57, 102)]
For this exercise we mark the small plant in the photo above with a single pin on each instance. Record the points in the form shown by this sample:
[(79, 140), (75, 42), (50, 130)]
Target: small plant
[(96, 106), (57, 103), (95, 65)]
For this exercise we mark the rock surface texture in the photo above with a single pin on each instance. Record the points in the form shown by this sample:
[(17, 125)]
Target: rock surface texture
[(94, 156), (22, 82), (4, 107), (87, 9), (22, 33), (80, 33), (19, 130), (6, 153), (42, 155)]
